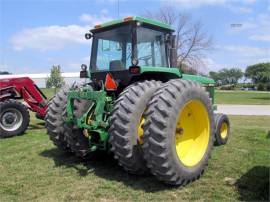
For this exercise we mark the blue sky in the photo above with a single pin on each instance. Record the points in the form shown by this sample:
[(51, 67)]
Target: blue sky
[(35, 34)]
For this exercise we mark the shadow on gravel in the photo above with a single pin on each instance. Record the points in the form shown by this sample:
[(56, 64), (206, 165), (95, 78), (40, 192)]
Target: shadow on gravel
[(104, 166), (254, 185)]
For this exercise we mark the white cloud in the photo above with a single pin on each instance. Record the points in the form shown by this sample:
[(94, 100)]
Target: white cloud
[(86, 59), (257, 28), (239, 9), (3, 67), (73, 66), (49, 37), (212, 65), (57, 37), (8, 68), (248, 51), (240, 56), (92, 20), (76, 65), (197, 3), (262, 31), (263, 37)]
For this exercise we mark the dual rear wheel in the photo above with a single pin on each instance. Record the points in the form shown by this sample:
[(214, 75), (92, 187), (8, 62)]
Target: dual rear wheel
[(166, 129)]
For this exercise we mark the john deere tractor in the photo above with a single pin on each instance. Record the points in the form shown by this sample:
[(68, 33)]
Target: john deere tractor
[(138, 105)]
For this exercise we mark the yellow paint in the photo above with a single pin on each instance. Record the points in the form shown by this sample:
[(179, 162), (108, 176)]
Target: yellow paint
[(140, 130), (224, 130), (192, 133)]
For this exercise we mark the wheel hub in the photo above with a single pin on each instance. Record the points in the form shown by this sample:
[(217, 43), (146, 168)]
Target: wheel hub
[(192, 133), (224, 130), (11, 119), (140, 131)]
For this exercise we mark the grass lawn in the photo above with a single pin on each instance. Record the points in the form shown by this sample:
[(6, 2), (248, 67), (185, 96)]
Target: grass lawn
[(49, 92), (33, 169), (242, 97)]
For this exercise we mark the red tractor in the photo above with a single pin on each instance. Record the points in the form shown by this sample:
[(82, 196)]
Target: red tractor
[(14, 114)]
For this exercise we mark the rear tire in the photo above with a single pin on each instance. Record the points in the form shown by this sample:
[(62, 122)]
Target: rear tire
[(55, 119), (179, 132), (125, 128), (14, 118), (79, 144), (222, 132)]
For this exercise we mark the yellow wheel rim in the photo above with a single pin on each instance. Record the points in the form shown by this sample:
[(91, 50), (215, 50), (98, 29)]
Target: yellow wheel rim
[(192, 133), (140, 131), (224, 130)]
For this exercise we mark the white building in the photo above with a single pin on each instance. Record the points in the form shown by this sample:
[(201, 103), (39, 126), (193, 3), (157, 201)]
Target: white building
[(40, 79)]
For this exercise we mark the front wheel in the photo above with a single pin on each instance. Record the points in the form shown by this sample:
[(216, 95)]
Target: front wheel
[(14, 118), (222, 129)]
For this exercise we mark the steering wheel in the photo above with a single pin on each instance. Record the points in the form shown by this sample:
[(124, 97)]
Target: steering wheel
[(146, 59)]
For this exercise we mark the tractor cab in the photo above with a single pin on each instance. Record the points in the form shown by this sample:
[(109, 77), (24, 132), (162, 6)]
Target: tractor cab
[(123, 47)]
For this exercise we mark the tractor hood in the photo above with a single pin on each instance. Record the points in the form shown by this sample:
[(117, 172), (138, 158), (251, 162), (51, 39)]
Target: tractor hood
[(200, 79)]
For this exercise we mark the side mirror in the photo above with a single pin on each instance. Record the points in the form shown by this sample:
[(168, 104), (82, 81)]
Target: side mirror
[(84, 72), (88, 36)]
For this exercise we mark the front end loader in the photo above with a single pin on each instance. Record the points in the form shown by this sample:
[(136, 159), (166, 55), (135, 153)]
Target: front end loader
[(137, 104), (18, 95)]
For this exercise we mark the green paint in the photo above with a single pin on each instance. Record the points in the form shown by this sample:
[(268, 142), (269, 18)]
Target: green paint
[(152, 22), (200, 79), (175, 71), (139, 19), (93, 119)]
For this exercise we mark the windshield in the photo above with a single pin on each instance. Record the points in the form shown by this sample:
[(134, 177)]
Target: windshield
[(151, 49), (112, 49)]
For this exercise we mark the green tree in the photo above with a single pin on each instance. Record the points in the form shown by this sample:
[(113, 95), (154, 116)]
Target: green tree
[(192, 42), (55, 79), (227, 76), (4, 72), (259, 73), (215, 76)]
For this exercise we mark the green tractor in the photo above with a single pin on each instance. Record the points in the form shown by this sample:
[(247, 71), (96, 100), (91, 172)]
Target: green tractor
[(138, 105)]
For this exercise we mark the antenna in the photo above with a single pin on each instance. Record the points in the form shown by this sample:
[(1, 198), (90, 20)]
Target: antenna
[(118, 8)]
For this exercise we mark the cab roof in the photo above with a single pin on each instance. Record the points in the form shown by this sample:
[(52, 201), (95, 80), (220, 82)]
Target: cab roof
[(155, 23)]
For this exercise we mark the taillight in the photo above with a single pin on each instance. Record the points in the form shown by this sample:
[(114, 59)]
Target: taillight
[(134, 70)]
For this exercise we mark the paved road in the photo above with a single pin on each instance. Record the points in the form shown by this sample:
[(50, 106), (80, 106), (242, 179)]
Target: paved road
[(244, 109)]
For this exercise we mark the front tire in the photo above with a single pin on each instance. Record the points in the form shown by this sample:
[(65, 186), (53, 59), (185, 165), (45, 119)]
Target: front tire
[(222, 133), (179, 132), (14, 118)]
